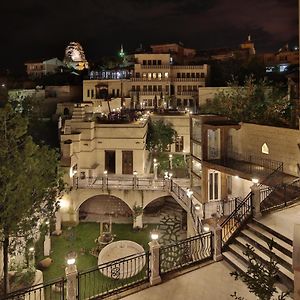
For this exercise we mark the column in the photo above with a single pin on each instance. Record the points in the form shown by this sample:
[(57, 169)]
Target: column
[(217, 243), (256, 201), (58, 230), (71, 275), (47, 245), (296, 261), (154, 262)]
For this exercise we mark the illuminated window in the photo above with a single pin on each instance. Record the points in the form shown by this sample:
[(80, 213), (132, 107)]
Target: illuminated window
[(166, 74), (144, 75), (265, 149), (154, 75), (149, 76), (159, 76)]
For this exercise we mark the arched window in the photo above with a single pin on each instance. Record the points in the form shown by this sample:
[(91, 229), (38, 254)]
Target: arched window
[(265, 149)]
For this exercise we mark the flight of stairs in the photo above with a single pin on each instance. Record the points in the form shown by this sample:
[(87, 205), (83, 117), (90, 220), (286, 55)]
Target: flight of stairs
[(258, 235), (280, 197)]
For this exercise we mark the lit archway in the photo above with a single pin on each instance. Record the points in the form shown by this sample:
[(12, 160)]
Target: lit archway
[(101, 207)]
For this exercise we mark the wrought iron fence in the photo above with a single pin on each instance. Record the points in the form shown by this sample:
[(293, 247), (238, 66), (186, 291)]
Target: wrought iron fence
[(185, 253), (113, 277), (236, 219), (254, 159), (54, 290)]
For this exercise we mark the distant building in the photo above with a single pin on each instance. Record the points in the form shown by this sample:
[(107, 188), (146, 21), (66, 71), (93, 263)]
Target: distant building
[(280, 60), (243, 52), (40, 68), (75, 57), (156, 80)]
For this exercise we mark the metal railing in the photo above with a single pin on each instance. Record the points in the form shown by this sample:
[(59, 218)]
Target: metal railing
[(236, 219), (180, 193), (54, 290), (120, 182), (257, 160), (113, 277), (193, 250), (279, 196)]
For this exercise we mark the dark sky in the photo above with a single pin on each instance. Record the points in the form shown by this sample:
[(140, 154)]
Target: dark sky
[(33, 29)]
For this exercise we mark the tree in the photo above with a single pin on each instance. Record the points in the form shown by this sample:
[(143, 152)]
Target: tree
[(256, 102), (30, 183), (260, 277), (159, 136)]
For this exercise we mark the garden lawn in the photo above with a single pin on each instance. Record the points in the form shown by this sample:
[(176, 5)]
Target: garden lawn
[(82, 239)]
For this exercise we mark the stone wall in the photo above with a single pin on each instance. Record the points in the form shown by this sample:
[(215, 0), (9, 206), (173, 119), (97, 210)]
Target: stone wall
[(282, 144)]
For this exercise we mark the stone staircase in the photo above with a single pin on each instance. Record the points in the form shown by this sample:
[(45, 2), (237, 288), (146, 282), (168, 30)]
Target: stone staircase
[(281, 196), (258, 236)]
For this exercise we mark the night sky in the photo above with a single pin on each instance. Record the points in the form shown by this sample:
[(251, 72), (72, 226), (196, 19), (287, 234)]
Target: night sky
[(33, 29)]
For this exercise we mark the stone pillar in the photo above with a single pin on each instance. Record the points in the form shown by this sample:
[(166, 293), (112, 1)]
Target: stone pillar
[(71, 275), (256, 201), (296, 261), (217, 243), (47, 245), (154, 262), (58, 230), (138, 222)]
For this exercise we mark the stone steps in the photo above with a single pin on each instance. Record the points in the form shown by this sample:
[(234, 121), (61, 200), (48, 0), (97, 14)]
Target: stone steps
[(259, 236)]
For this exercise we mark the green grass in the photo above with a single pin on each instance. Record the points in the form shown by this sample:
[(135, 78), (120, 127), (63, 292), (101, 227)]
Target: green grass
[(180, 167), (81, 239)]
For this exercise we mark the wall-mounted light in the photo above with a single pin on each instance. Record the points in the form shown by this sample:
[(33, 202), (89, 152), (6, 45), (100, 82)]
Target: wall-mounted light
[(255, 180)]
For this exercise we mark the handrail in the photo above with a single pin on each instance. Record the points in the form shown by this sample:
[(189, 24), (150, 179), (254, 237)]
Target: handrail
[(236, 219)]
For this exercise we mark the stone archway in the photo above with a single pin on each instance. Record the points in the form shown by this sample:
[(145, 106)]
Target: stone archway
[(170, 217), (100, 208)]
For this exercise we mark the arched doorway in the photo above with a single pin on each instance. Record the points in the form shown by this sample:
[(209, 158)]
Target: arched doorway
[(101, 208)]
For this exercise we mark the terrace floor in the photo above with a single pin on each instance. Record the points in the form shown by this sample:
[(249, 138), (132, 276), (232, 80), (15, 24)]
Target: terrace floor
[(283, 221), (212, 282)]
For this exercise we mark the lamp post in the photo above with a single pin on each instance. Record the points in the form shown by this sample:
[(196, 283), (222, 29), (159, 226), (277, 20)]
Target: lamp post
[(184, 156), (105, 183), (154, 248), (155, 167), (135, 179), (171, 161), (71, 275), (31, 258)]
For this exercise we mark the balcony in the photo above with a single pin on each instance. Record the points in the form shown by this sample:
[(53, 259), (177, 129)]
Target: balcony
[(149, 79), (148, 93), (187, 93), (200, 80), (155, 66), (248, 166)]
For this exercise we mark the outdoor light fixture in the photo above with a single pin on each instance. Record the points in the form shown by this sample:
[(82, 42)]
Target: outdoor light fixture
[(154, 160), (236, 176), (135, 173), (170, 156), (197, 207), (71, 258), (31, 249), (206, 228), (255, 180), (154, 235), (47, 222), (189, 193), (170, 175), (105, 172)]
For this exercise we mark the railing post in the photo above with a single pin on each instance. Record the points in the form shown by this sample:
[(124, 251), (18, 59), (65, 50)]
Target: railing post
[(256, 201), (296, 261), (154, 262), (217, 243), (71, 275)]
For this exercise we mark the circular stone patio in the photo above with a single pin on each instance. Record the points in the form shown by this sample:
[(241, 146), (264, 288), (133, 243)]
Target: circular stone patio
[(126, 267)]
